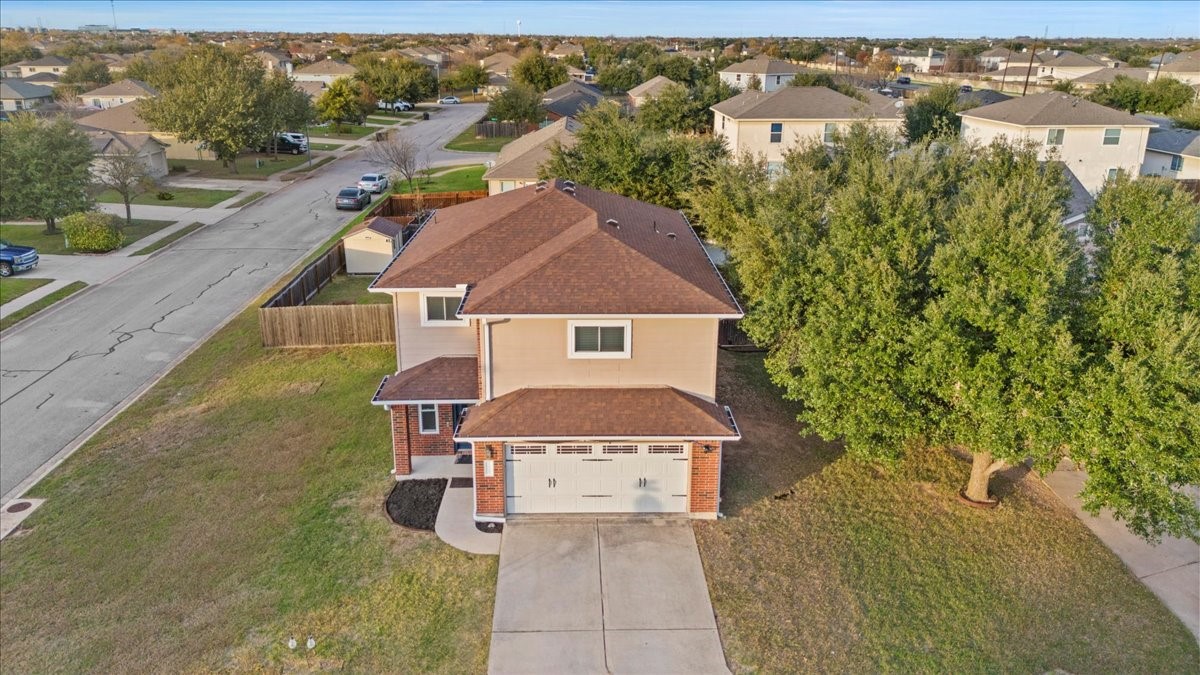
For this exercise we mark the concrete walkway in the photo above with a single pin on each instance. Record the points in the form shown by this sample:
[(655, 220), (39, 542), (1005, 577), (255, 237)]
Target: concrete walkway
[(602, 595), (455, 523), (64, 269), (207, 216), (1170, 569)]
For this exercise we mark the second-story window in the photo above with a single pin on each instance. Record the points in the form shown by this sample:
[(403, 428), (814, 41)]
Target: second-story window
[(598, 339), (830, 131), (776, 132), (441, 310), (1055, 136), (1112, 136), (1177, 162)]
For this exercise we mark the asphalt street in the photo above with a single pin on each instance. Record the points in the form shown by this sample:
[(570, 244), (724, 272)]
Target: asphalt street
[(72, 366)]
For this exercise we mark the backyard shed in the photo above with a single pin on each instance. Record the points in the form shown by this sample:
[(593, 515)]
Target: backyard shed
[(372, 245)]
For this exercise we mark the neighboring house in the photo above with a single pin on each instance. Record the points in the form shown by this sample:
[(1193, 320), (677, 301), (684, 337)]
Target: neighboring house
[(649, 89), (578, 75), (913, 61), (12, 70), (1184, 67), (1067, 65), (997, 58), (496, 85), (768, 125), (124, 119), (1091, 140), (432, 56), (151, 151), (326, 71), (500, 63), (371, 245), (568, 338), (312, 89), (274, 60), (1173, 153), (20, 95), (564, 50), (772, 74), (55, 65), (517, 164), (980, 97), (570, 98), (1096, 78), (49, 79), (118, 93)]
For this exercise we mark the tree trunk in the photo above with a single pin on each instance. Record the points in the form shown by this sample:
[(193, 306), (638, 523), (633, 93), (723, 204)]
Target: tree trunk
[(128, 211), (50, 229), (982, 469), (233, 164)]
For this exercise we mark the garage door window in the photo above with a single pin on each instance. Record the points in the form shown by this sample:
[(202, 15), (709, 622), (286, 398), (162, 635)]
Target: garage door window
[(620, 449), (574, 449), (528, 449), (598, 339), (666, 450), (429, 418)]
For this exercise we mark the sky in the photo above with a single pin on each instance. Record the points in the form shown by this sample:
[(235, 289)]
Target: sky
[(912, 18)]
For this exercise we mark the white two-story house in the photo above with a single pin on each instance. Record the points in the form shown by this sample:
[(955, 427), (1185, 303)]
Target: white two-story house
[(568, 338), (1091, 140), (772, 73)]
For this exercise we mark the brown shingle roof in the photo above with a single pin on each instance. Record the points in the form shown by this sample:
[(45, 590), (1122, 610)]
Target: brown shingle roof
[(597, 412), (328, 67), (520, 159), (762, 65), (652, 87), (794, 103), (1054, 108), (446, 378), (112, 142), (123, 88), (122, 117), (545, 251)]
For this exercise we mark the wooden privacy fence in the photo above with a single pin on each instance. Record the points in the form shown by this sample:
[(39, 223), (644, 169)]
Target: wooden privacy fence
[(325, 325), (489, 129), (407, 205), (731, 336), (311, 279)]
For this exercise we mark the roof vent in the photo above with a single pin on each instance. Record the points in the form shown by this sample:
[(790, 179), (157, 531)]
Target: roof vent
[(613, 222), (670, 235), (540, 187), (569, 189), (568, 184)]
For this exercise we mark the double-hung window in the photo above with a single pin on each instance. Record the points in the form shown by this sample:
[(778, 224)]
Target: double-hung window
[(598, 339), (1112, 136), (429, 418), (1177, 162), (830, 132), (1112, 174), (1055, 136), (776, 132), (441, 310)]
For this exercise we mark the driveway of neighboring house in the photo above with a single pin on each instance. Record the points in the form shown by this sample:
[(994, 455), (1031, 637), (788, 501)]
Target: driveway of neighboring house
[(602, 595)]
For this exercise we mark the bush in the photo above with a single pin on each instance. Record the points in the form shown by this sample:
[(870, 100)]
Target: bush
[(93, 231), (165, 196), (178, 168)]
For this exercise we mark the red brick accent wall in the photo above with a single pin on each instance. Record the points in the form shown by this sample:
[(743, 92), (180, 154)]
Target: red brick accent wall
[(704, 483), (400, 449), (441, 443), (489, 491)]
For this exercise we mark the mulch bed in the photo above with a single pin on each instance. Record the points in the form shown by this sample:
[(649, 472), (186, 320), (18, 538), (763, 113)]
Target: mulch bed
[(415, 503)]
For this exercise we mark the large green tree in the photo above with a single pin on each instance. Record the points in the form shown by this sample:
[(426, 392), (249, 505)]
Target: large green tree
[(518, 103), (396, 79), (342, 102), (216, 97), (613, 152), (81, 76), (1136, 411), (285, 108), (936, 112), (683, 109), (539, 72), (44, 169), (1166, 95), (469, 76)]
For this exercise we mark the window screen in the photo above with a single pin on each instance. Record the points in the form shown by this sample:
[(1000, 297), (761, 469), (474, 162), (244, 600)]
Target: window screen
[(1055, 136), (776, 132), (1112, 136), (599, 338), (442, 308)]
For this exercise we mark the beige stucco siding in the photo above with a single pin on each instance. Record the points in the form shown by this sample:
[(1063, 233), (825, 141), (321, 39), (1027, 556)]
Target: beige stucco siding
[(681, 353), (1159, 164), (754, 136), (367, 252), (417, 344), (1082, 151), (495, 187)]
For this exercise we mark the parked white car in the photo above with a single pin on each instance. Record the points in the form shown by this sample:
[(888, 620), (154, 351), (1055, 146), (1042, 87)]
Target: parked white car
[(449, 100), (373, 182), (398, 104)]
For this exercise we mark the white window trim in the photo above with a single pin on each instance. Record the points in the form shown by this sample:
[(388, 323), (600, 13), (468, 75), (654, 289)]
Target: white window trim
[(603, 323), (1104, 136), (437, 419), (1062, 139), (427, 323)]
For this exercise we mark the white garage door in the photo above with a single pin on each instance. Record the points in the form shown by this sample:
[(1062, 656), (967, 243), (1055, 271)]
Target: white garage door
[(596, 478)]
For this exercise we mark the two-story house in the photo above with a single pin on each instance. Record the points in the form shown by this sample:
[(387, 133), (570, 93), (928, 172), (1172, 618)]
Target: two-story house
[(771, 124), (1173, 153), (1091, 140), (117, 93), (772, 73), (568, 337), (325, 72), (518, 163)]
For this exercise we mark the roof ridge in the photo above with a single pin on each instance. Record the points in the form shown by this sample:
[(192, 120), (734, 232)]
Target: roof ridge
[(582, 224)]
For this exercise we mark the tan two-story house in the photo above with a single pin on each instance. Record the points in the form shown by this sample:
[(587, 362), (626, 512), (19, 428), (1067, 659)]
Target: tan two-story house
[(567, 338)]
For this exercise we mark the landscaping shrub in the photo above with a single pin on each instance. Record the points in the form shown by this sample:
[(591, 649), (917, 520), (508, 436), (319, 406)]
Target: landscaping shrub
[(178, 168), (93, 231), (165, 196)]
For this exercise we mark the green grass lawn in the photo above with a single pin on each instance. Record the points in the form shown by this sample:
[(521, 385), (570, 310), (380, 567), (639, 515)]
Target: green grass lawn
[(248, 199), (467, 142), (377, 119), (304, 168), (237, 503), (349, 132), (252, 167), (169, 239), (324, 146), (35, 235), (345, 289), (458, 180), (192, 198), (14, 287), (28, 311), (826, 564)]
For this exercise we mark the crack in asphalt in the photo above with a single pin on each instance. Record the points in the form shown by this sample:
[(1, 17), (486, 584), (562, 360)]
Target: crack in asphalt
[(44, 401)]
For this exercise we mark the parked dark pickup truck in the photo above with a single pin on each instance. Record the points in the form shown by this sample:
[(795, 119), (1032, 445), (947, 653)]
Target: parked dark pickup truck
[(15, 258)]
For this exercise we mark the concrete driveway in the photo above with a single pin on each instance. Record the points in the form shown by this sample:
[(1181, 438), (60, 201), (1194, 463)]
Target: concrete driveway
[(602, 596)]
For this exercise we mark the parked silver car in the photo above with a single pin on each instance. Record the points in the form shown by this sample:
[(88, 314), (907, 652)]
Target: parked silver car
[(373, 182)]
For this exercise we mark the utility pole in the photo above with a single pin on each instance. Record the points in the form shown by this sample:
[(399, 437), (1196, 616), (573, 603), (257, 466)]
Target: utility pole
[(1160, 65), (1032, 53)]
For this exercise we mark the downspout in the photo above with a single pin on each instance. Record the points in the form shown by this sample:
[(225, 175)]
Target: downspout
[(487, 346), (396, 327)]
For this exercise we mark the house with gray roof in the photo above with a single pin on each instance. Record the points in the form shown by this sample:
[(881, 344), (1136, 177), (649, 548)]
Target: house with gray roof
[(19, 95), (649, 89), (118, 93), (1173, 153), (518, 162), (326, 71), (1092, 141), (772, 73), (150, 151)]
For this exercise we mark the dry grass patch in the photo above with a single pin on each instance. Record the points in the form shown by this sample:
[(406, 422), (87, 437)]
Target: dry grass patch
[(861, 568)]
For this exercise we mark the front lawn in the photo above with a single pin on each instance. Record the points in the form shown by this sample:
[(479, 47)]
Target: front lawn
[(37, 306), (324, 146), (466, 142), (35, 235), (383, 120), (830, 565), (12, 288), (458, 180), (345, 289), (191, 198), (251, 166), (347, 132), (238, 503)]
